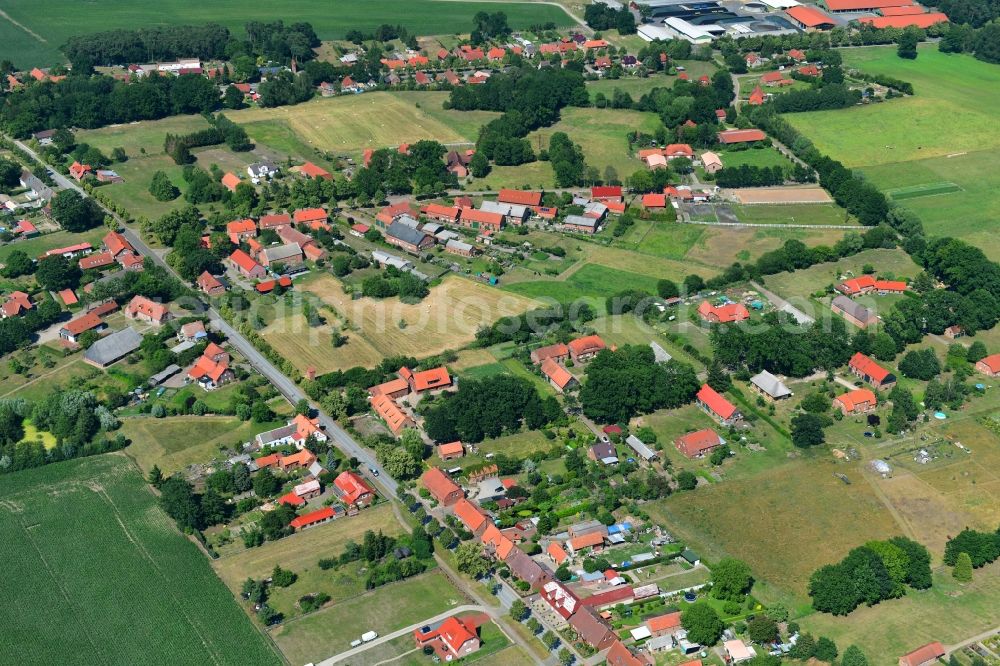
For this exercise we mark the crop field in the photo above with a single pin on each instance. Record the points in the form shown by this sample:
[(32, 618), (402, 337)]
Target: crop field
[(49, 23), (749, 518), (349, 124), (90, 557), (446, 319), (301, 552), (949, 612), (803, 283), (319, 635), (311, 346), (168, 443)]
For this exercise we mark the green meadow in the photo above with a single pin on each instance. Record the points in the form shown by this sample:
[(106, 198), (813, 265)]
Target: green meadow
[(47, 24)]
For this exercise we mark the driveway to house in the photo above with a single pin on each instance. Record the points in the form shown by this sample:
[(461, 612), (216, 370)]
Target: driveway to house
[(781, 303)]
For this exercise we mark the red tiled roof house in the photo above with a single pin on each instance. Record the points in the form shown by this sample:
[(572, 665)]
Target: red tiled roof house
[(857, 401), (698, 444), (989, 366), (353, 490), (143, 309), (867, 370), (441, 487), (717, 406), (585, 348)]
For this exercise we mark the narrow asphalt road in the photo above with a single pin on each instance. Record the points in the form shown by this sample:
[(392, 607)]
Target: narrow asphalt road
[(285, 386)]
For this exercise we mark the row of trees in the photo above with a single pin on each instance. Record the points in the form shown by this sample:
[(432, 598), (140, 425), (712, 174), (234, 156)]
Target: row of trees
[(566, 159), (556, 320), (271, 42), (394, 282), (178, 146), (981, 547), (96, 101), (869, 574), (747, 175)]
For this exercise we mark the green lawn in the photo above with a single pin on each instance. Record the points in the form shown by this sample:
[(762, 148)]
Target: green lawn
[(793, 214), (54, 21), (970, 212), (633, 85), (89, 556), (301, 552), (168, 443), (758, 157), (803, 283), (38, 245), (591, 281), (144, 138), (900, 146), (953, 91), (600, 134), (319, 635)]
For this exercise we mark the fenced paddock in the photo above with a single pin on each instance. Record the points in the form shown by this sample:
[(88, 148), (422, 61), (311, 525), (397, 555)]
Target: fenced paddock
[(779, 195)]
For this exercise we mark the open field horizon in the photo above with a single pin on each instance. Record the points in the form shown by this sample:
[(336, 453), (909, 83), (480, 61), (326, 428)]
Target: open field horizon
[(45, 25)]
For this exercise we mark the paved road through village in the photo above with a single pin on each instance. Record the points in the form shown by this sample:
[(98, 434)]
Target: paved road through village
[(285, 386)]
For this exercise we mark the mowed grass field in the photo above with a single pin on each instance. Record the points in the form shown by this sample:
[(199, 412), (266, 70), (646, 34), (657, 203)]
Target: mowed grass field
[(785, 521), (954, 196), (953, 109), (327, 632), (168, 443), (446, 319), (95, 572), (301, 552), (944, 140), (49, 23)]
